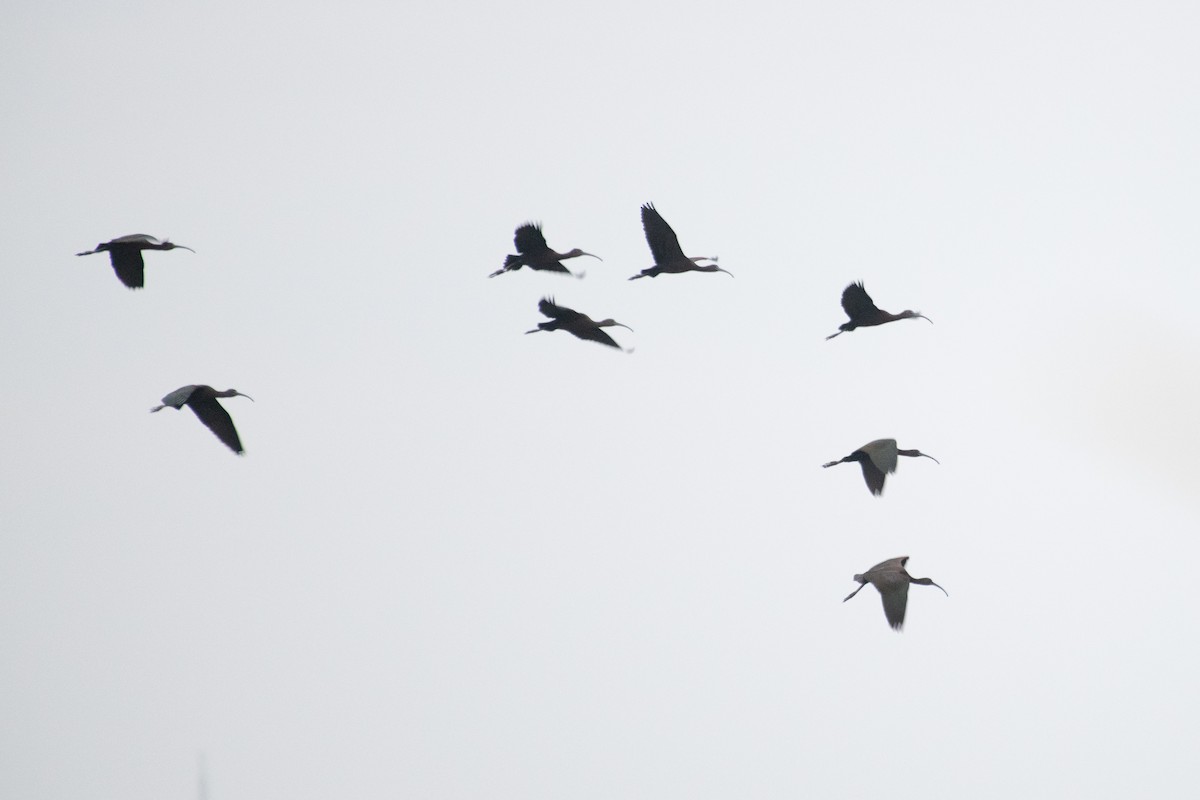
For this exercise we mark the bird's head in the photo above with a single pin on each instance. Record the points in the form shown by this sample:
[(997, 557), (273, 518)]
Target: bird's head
[(929, 582), (926, 455), (609, 323), (172, 246), (234, 393), (577, 252), (906, 314)]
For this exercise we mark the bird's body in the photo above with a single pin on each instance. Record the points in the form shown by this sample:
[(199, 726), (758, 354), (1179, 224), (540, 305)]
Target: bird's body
[(581, 325), (878, 460), (536, 254), (892, 580), (126, 256), (664, 246), (203, 401), (863, 312)]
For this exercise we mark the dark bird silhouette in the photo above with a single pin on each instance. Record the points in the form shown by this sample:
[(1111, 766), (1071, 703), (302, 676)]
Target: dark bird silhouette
[(126, 256), (863, 312), (536, 254), (203, 401), (664, 246), (892, 580), (878, 460), (581, 325)]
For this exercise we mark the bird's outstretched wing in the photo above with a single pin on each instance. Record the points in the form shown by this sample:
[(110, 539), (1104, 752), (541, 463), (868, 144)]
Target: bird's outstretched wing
[(856, 302), (218, 421), (529, 239), (664, 244), (127, 263)]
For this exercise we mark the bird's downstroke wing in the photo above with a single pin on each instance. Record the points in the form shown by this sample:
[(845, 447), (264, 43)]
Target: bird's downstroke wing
[(873, 476), (664, 244), (217, 419), (597, 335), (895, 601), (128, 265), (856, 302), (554, 266), (529, 239)]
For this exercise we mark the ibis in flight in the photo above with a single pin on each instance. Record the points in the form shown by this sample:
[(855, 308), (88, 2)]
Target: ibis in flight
[(126, 256), (536, 254), (892, 580), (581, 325), (203, 401), (664, 246), (878, 460), (863, 312)]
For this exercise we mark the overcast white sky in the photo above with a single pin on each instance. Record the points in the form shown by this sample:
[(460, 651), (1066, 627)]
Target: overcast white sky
[(460, 562)]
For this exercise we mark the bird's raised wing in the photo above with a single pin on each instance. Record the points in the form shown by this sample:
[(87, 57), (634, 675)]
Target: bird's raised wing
[(529, 239), (895, 601), (177, 398), (856, 302), (140, 238), (664, 244), (218, 421), (548, 307), (882, 453), (891, 565), (127, 263)]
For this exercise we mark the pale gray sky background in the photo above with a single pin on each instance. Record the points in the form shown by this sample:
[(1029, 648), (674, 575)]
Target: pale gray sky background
[(460, 562)]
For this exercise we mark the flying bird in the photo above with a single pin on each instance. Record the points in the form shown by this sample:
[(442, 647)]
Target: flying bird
[(126, 256), (203, 401), (863, 312), (892, 580), (664, 246), (581, 325), (878, 460), (536, 254)]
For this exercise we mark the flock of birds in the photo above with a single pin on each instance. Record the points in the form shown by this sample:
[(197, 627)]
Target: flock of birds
[(877, 459)]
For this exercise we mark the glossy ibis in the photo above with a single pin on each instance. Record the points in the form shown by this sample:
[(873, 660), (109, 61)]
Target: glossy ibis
[(878, 460), (536, 254), (126, 256), (892, 580), (664, 246), (203, 401), (581, 325), (863, 312)]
